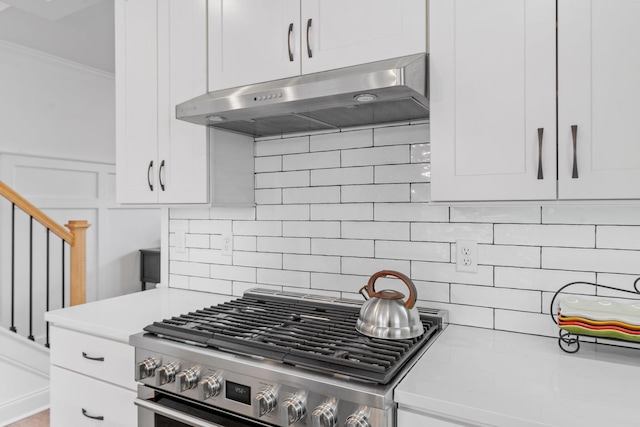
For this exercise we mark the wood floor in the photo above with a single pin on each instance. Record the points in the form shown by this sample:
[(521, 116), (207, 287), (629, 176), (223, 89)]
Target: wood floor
[(41, 419)]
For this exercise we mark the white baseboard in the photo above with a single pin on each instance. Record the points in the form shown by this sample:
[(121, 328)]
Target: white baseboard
[(24, 406), (24, 353)]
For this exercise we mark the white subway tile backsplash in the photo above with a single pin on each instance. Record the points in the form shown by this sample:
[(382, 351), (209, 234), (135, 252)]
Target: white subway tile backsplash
[(268, 164), (342, 140), (257, 228), (342, 212), (446, 272), (376, 156), (420, 193), (343, 247), (375, 230), (376, 193), (282, 212), (319, 160), (342, 176), (311, 229), (591, 214), (497, 214), (287, 245), (488, 296), (333, 208), (232, 272), (369, 266), (618, 237), (257, 259), (537, 279), (418, 172), (412, 212), (512, 256), (527, 323), (297, 279), (414, 134), (597, 260), (282, 146), (546, 235), (420, 153), (215, 286), (319, 263), (282, 179), (621, 281), (446, 232), (270, 196), (420, 251), (311, 195)]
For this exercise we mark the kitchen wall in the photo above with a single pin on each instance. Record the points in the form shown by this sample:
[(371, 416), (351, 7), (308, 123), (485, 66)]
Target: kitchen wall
[(334, 208)]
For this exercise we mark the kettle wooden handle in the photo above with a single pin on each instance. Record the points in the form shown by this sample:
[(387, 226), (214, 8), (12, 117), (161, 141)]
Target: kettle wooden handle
[(413, 292)]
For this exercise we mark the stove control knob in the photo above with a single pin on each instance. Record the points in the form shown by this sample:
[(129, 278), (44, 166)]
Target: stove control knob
[(167, 373), (325, 414), (211, 386), (359, 418), (147, 368), (188, 379), (265, 402), (294, 408)]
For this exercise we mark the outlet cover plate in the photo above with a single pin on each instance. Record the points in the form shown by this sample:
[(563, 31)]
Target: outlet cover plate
[(467, 256)]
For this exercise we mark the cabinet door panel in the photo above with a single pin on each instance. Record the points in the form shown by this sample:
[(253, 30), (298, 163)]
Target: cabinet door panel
[(136, 101), (492, 69), (182, 146), (248, 41), (598, 90), (350, 32)]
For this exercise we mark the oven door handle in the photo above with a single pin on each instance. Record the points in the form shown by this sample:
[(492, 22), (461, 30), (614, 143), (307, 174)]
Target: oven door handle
[(174, 415)]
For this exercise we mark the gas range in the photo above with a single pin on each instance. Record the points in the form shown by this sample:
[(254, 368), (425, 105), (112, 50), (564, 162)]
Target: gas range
[(273, 359)]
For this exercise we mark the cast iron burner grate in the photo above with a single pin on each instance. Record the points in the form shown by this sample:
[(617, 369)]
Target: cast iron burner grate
[(300, 332)]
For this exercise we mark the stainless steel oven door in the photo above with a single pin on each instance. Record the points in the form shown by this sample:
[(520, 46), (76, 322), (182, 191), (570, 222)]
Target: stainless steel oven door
[(157, 409)]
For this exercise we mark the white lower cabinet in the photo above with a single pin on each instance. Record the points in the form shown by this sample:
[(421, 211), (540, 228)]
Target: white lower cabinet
[(91, 381), (78, 400)]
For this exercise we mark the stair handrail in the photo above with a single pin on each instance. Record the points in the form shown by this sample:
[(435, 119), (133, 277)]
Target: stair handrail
[(75, 237)]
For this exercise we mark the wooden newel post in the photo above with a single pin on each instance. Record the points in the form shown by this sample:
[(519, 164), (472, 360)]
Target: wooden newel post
[(78, 261)]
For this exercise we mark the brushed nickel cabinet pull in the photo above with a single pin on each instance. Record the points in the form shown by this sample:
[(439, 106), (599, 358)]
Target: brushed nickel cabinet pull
[(540, 132), (289, 42), (97, 359), (309, 52), (574, 134), (149, 179), (160, 175)]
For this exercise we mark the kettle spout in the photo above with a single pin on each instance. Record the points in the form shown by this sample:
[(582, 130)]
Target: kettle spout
[(363, 291)]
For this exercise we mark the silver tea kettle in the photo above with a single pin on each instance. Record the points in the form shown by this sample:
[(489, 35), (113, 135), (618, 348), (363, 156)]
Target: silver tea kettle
[(384, 313)]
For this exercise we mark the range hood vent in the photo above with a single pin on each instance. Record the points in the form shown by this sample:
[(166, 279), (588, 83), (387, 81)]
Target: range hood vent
[(394, 90)]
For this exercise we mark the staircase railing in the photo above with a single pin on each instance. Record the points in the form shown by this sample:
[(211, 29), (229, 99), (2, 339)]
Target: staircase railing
[(74, 238)]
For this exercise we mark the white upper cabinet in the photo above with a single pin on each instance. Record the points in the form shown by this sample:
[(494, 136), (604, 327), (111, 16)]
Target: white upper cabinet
[(598, 92), (252, 41), (341, 33), (160, 61), (492, 98)]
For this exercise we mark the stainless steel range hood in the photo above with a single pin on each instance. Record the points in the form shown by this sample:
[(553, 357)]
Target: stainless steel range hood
[(380, 92)]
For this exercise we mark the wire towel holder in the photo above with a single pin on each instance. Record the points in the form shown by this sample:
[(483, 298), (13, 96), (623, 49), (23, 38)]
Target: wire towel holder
[(566, 339)]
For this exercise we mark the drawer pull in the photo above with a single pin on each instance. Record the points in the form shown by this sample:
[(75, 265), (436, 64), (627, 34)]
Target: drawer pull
[(540, 132), (574, 136), (93, 417), (98, 359)]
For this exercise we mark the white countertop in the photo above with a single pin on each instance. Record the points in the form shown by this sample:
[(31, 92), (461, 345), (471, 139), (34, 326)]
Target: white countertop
[(117, 318), (506, 379)]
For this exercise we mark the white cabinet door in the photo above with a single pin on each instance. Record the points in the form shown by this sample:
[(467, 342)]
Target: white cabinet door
[(136, 101), (492, 79), (598, 91), (183, 150), (250, 41), (340, 33), (410, 418)]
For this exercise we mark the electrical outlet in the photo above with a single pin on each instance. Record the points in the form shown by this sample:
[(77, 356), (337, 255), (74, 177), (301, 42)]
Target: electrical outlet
[(227, 244), (467, 256)]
